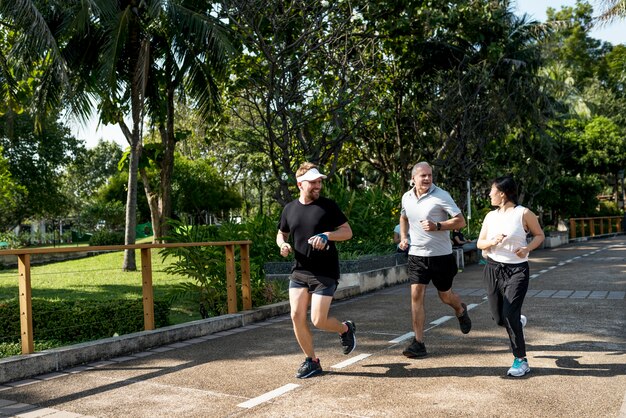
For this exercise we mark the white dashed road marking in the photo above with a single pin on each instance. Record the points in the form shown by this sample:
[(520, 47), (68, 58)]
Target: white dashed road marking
[(268, 396), (441, 320), (401, 338), (350, 361)]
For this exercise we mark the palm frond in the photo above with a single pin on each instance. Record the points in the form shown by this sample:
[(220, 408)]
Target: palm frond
[(613, 10)]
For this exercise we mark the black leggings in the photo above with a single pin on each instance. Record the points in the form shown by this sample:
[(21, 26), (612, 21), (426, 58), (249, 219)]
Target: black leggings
[(507, 285)]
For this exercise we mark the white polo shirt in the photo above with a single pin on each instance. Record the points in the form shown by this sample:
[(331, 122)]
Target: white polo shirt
[(437, 206)]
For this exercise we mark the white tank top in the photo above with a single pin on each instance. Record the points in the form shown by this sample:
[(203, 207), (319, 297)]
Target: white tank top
[(511, 224)]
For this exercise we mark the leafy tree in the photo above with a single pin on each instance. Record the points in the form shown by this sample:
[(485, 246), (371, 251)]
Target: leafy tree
[(29, 58), (462, 75), (91, 169), (36, 160), (132, 56), (602, 146), (199, 191), (189, 48), (571, 45), (571, 196), (114, 192), (112, 213), (298, 80), (215, 142), (10, 195)]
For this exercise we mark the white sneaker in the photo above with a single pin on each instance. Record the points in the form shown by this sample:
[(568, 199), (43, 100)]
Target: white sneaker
[(519, 368)]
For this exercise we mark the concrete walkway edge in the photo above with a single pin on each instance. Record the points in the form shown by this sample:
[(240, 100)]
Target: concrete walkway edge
[(54, 360)]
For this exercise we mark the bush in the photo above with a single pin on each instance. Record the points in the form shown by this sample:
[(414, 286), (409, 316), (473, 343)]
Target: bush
[(608, 209), (58, 323), (107, 238), (113, 214), (15, 241), (372, 213), (205, 267)]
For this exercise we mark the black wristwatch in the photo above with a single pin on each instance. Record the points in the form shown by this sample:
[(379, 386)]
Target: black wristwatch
[(438, 226)]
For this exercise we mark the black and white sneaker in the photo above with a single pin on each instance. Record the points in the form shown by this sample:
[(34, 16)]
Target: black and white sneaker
[(465, 323), (309, 368), (348, 338), (416, 349)]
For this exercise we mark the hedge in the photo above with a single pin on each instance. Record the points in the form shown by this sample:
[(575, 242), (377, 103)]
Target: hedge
[(70, 322)]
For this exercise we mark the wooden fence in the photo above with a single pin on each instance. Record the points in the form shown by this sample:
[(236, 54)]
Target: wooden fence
[(23, 261), (590, 227)]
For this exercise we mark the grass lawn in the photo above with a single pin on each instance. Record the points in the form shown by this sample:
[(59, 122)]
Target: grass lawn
[(96, 278)]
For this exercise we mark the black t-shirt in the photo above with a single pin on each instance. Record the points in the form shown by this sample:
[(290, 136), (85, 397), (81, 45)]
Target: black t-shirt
[(302, 222)]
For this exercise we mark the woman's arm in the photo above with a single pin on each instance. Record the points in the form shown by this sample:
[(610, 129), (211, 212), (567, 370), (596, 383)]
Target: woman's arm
[(531, 224), (483, 242)]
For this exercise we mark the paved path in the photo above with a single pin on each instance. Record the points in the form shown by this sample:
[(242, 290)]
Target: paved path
[(576, 310)]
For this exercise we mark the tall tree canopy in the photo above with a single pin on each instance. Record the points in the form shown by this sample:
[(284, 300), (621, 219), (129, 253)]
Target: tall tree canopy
[(133, 57)]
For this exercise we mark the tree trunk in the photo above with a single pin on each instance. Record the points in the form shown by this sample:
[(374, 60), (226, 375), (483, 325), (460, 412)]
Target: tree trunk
[(137, 95), (130, 234), (168, 139), (153, 203)]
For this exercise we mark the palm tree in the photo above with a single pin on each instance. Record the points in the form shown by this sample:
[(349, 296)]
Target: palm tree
[(131, 56), (153, 51), (612, 10), (188, 51), (33, 47)]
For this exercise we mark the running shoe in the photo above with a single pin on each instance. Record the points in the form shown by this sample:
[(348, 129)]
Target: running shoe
[(519, 368), (309, 368), (465, 323), (348, 338), (416, 349)]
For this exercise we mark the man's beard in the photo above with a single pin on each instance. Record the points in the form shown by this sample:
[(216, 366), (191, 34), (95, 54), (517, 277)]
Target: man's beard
[(313, 194)]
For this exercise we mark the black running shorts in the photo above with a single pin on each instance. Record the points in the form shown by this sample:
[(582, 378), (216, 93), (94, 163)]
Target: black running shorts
[(440, 269), (320, 285)]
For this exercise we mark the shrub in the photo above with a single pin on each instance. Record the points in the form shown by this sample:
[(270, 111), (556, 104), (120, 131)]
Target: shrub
[(206, 267), (58, 323), (15, 241), (107, 238), (372, 212)]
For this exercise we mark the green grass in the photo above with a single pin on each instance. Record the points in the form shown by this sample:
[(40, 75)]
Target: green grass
[(96, 278)]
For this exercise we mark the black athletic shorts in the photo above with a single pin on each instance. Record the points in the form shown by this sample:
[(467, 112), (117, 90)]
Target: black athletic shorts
[(441, 269), (320, 285)]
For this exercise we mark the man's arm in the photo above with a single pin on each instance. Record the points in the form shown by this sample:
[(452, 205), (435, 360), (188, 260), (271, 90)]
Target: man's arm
[(456, 222), (281, 241), (342, 233), (404, 233)]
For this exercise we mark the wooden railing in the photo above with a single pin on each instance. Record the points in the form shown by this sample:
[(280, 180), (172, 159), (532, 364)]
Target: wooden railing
[(23, 262), (588, 226)]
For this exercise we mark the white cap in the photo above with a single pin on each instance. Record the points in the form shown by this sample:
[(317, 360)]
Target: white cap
[(310, 175)]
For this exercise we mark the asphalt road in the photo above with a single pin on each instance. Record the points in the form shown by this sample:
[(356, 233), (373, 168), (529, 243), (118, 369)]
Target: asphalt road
[(576, 342)]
